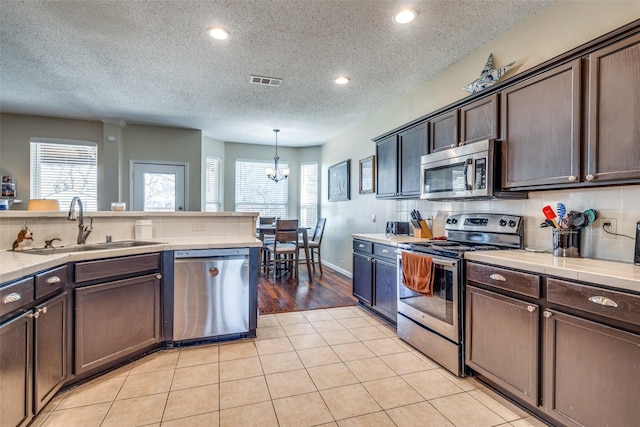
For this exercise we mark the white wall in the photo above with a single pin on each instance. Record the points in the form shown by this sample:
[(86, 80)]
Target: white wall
[(560, 27)]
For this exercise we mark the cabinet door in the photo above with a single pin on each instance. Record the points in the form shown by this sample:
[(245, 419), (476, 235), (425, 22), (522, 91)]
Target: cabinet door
[(386, 288), (413, 145), (50, 344), (443, 131), (614, 112), (502, 341), (541, 129), (591, 372), (479, 120), (387, 167), (15, 368), (115, 319), (362, 277)]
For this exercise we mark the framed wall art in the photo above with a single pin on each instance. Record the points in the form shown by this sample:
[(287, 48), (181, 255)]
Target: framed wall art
[(368, 175), (339, 181)]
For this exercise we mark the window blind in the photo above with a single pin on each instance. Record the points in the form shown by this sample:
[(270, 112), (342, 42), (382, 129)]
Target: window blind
[(64, 169), (213, 184), (257, 193), (309, 194)]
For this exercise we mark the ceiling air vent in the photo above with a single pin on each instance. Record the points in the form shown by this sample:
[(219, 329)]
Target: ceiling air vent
[(267, 81)]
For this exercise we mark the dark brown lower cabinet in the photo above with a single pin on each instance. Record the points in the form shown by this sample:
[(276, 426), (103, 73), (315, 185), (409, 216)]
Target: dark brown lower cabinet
[(16, 369), (363, 278), (115, 319), (592, 372), (386, 289), (51, 334), (502, 341)]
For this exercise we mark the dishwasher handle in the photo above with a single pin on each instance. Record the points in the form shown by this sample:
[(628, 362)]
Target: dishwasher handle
[(211, 253)]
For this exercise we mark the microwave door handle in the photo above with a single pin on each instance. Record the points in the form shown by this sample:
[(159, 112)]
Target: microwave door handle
[(468, 177)]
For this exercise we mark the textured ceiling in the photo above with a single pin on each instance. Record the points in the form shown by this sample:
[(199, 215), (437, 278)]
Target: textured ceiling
[(152, 62)]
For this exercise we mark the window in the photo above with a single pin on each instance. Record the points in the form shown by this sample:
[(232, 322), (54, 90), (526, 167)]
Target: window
[(213, 184), (309, 194), (257, 193), (64, 169)]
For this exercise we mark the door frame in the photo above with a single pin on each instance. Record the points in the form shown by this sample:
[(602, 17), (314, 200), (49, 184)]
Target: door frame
[(132, 164)]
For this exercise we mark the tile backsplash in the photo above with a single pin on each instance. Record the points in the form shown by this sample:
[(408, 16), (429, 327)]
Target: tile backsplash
[(621, 204)]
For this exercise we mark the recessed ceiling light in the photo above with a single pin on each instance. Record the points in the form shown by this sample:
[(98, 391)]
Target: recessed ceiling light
[(342, 80), (218, 33), (405, 16)]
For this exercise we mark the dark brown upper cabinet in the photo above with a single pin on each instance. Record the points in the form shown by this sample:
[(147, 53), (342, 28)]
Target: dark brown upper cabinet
[(541, 123), (398, 163), (479, 120), (613, 128), (444, 131)]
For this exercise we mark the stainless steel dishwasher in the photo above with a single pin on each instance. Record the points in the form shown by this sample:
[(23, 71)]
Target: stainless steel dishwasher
[(211, 293)]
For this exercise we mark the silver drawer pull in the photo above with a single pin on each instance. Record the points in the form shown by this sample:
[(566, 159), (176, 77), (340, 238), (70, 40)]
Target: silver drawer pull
[(531, 308), (603, 301), (385, 251), (361, 245), (53, 280), (547, 314), (11, 298), (498, 277), (34, 315)]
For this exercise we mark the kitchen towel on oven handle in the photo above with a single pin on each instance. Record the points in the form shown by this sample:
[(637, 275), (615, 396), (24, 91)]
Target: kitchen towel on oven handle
[(417, 272)]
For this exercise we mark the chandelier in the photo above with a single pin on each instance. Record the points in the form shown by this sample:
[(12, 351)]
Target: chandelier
[(274, 172)]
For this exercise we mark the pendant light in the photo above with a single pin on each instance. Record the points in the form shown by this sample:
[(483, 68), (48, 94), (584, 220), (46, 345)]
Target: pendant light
[(274, 172)]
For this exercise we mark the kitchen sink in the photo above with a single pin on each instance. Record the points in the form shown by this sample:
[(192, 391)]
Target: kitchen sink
[(91, 247)]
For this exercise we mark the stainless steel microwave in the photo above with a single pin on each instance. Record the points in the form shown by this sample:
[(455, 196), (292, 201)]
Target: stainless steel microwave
[(469, 171)]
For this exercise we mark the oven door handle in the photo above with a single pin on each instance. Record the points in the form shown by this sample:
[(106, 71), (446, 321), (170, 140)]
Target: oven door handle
[(436, 261)]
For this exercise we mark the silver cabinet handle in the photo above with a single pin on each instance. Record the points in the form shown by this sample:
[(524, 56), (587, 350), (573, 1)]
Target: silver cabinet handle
[(42, 310), (603, 301), (498, 277), (547, 314), (53, 280), (361, 245), (573, 178), (11, 298), (158, 276), (385, 251), (589, 177), (34, 315), (531, 308)]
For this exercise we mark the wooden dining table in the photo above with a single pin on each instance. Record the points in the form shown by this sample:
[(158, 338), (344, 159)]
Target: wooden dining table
[(266, 230)]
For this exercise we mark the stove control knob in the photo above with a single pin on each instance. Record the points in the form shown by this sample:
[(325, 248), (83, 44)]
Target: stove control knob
[(454, 221), (503, 222), (512, 223), (448, 220)]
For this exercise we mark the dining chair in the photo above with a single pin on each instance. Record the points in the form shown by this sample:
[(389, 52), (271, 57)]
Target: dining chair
[(314, 244), (282, 254), (266, 238)]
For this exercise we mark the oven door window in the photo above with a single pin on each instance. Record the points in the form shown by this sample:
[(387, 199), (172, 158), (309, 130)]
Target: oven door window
[(441, 304)]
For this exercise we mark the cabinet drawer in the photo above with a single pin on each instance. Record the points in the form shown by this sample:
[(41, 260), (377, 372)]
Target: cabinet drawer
[(603, 302), (50, 281), (501, 278), (102, 269), (362, 246), (385, 251), (16, 295)]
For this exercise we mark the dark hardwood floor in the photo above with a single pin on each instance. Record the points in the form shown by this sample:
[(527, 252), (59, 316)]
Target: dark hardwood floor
[(331, 289)]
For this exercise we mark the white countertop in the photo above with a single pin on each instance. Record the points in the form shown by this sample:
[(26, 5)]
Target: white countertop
[(615, 274), (14, 265)]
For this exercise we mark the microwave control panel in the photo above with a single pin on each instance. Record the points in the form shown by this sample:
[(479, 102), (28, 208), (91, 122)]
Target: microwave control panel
[(481, 174)]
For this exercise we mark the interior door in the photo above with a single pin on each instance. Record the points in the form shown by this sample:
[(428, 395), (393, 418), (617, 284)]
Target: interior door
[(158, 186)]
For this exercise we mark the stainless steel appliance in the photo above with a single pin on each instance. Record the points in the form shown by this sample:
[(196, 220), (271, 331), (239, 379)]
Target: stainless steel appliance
[(211, 293), (397, 227), (434, 324), (469, 171)]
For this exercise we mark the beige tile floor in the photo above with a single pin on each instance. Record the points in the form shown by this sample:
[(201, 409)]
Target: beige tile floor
[(334, 367)]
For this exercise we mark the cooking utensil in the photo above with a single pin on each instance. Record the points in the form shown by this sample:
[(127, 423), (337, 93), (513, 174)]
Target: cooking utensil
[(562, 211), (551, 215), (577, 219), (591, 215)]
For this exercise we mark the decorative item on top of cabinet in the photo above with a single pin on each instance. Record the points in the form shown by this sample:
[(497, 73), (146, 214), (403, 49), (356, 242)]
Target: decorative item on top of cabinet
[(613, 127), (541, 122), (444, 131)]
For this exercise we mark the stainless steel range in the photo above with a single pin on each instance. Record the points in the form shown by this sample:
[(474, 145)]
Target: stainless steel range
[(434, 323)]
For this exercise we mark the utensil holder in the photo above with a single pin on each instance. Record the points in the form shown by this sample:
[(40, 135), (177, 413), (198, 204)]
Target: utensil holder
[(423, 232), (566, 243)]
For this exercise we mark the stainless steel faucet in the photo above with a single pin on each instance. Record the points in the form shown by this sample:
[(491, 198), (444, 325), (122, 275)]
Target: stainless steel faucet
[(83, 232)]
